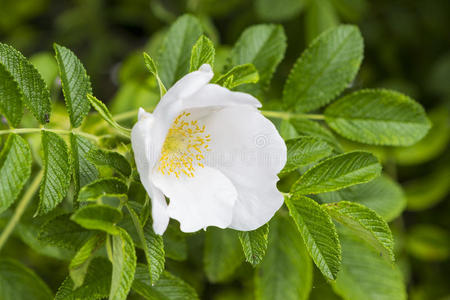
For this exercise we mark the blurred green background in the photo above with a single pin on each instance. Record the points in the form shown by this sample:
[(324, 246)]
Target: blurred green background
[(407, 48)]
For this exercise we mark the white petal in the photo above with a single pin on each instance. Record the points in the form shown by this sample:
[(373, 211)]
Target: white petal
[(207, 199), (248, 149), (141, 142)]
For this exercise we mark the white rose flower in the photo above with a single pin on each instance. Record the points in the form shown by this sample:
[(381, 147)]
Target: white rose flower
[(212, 153)]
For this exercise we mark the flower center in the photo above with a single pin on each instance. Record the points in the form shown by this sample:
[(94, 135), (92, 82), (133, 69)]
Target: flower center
[(183, 148)]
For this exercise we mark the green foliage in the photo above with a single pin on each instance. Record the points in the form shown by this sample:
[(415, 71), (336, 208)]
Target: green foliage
[(19, 282), (365, 223), (83, 170), (168, 287), (176, 49), (36, 96), (56, 179), (238, 75), (338, 172), (303, 151), (320, 16), (15, 169), (10, 98), (124, 265), (98, 217), (314, 129), (428, 243), (286, 270), (112, 159), (113, 187), (203, 52), (151, 66), (318, 232), (254, 244), (175, 245), (324, 69), (278, 10), (378, 117), (223, 254), (264, 47), (75, 84)]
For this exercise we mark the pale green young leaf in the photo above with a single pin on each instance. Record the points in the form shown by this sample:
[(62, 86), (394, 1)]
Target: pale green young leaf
[(75, 84), (15, 169), (62, 232), (113, 187), (263, 46), (223, 254), (383, 195), (101, 108), (80, 262), (124, 265), (280, 10), (338, 172), (10, 98), (98, 217), (318, 232), (314, 129), (378, 117), (151, 66), (325, 69), (168, 287), (365, 274), (84, 171), (305, 150), (203, 52), (286, 270), (254, 244), (36, 95), (17, 282), (96, 284), (366, 223), (176, 49), (153, 246), (238, 75), (110, 158), (55, 183)]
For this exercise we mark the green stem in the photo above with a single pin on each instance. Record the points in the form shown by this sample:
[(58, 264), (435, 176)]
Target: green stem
[(20, 209), (59, 131), (288, 115)]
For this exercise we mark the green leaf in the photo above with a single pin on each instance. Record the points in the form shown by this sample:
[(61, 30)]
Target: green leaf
[(325, 69), (75, 84), (62, 232), (318, 232), (286, 270), (254, 244), (153, 246), (35, 93), (151, 66), (96, 284), (168, 287), (101, 108), (176, 49), (10, 98), (366, 223), (280, 10), (305, 150), (428, 243), (314, 129), (80, 262), (202, 53), (84, 171), (98, 217), (263, 46), (112, 187), (223, 254), (124, 265), (175, 245), (378, 117), (366, 275), (320, 16), (238, 75), (338, 172), (111, 159), (383, 195), (15, 169), (17, 282), (56, 179)]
